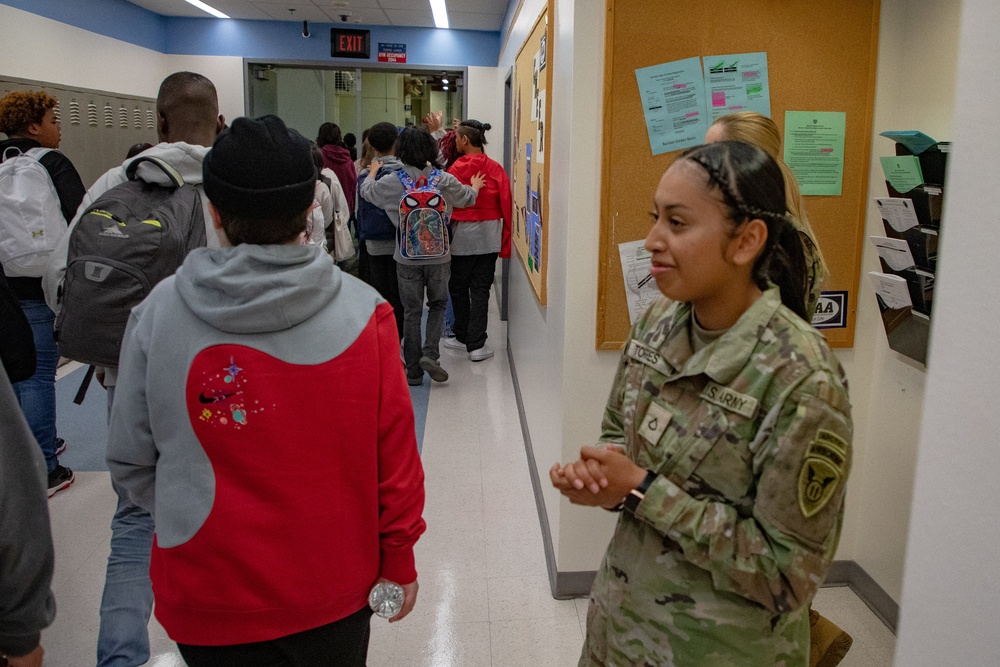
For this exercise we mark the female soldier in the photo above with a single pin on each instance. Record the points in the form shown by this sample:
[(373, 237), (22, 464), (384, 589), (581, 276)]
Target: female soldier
[(761, 131), (726, 439)]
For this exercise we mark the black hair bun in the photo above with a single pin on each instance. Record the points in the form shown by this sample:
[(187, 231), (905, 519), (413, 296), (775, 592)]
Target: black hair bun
[(487, 127)]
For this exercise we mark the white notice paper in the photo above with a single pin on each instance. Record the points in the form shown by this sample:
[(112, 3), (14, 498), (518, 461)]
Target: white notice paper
[(891, 289), (897, 212), (640, 288), (895, 252)]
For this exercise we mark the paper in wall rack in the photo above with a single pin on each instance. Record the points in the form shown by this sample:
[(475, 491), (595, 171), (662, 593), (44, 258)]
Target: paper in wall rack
[(911, 217)]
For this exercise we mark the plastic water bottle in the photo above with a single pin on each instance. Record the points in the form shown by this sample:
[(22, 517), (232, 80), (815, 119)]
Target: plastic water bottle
[(386, 598)]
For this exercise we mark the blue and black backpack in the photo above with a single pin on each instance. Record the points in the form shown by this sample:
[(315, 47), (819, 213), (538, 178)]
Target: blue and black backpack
[(373, 222)]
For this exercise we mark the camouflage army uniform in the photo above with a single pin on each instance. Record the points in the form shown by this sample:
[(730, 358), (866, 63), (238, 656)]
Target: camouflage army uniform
[(751, 439)]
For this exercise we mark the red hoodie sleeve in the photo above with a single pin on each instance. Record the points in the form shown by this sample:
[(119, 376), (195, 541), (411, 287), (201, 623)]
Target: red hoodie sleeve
[(400, 474), (506, 208)]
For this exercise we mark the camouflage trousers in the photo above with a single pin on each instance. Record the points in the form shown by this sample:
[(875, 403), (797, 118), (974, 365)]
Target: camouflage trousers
[(671, 627)]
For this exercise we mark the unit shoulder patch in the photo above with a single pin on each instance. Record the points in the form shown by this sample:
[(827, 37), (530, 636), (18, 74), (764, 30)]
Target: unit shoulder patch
[(822, 470)]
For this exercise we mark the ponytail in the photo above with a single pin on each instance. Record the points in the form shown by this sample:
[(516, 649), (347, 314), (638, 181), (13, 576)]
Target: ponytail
[(815, 264), (475, 131)]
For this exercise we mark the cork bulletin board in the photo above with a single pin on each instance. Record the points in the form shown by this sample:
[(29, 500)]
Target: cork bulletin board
[(820, 58), (532, 79)]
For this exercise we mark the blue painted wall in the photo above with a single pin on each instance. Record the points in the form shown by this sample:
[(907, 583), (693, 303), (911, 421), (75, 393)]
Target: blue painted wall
[(272, 40), (282, 40)]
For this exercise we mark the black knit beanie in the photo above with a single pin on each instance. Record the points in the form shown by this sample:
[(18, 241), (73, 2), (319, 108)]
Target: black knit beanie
[(260, 169)]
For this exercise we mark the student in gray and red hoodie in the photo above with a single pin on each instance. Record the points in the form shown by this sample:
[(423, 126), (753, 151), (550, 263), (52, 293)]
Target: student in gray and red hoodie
[(263, 417)]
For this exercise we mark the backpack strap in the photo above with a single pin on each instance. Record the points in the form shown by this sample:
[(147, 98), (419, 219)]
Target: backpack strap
[(405, 179), (435, 178), (7, 150), (174, 175)]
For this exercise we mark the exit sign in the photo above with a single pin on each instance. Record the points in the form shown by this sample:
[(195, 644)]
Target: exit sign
[(350, 43)]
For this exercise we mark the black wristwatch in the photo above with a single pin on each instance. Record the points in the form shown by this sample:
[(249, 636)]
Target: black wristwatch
[(635, 496)]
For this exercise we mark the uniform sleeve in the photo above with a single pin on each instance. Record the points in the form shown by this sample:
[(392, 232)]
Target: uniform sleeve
[(779, 554), (401, 476), (131, 451), (613, 424)]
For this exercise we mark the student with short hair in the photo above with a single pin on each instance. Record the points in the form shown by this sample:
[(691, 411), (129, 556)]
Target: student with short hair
[(272, 526), (187, 122)]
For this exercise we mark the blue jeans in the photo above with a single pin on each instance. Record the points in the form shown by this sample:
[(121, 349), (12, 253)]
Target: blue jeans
[(37, 394), (123, 638)]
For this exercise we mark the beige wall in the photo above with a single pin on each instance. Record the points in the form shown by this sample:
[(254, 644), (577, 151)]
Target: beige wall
[(918, 48), (564, 381), (951, 588)]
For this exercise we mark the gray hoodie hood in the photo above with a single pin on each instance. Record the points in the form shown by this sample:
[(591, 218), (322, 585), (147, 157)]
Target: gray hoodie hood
[(185, 158), (252, 289)]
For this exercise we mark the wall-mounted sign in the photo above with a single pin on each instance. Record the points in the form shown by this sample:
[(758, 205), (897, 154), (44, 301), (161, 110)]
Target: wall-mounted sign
[(391, 53), (831, 311), (350, 43)]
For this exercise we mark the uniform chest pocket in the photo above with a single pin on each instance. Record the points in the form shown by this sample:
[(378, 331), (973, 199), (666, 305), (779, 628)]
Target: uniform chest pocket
[(673, 439)]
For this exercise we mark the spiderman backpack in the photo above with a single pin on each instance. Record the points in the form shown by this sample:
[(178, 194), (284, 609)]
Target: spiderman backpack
[(423, 218)]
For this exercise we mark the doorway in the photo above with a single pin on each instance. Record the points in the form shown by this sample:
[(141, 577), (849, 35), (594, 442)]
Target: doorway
[(306, 96)]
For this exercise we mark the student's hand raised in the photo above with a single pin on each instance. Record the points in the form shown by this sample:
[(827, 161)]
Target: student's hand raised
[(477, 181)]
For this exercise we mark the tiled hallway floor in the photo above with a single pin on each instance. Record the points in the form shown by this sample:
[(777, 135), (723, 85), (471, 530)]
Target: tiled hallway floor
[(484, 595)]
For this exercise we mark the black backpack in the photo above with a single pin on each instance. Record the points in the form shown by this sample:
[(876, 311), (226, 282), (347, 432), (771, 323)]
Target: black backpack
[(132, 237), (373, 222)]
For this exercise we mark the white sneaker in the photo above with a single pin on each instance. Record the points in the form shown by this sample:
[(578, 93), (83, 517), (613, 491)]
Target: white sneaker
[(485, 352), (453, 344)]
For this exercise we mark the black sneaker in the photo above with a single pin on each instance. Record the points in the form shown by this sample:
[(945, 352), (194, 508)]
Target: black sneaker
[(60, 446), (60, 479), (415, 381), (433, 368)]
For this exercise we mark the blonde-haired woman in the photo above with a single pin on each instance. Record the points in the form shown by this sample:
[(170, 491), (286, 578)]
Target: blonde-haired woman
[(828, 643), (760, 131)]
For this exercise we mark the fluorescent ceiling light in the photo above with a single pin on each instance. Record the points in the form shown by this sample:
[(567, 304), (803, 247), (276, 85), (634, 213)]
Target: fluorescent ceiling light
[(205, 8), (444, 80), (440, 13)]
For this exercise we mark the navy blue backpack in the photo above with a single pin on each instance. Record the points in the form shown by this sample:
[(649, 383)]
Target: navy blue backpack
[(373, 222)]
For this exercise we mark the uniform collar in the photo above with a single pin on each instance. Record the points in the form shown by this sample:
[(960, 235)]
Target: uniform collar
[(723, 359)]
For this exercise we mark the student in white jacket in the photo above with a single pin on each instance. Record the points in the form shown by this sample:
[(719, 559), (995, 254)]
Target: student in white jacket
[(188, 120)]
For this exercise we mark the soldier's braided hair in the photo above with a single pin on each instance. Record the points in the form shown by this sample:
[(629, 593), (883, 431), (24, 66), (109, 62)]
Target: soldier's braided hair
[(752, 187)]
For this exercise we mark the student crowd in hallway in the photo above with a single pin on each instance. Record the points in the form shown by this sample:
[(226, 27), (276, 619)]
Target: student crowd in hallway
[(268, 209), (224, 379)]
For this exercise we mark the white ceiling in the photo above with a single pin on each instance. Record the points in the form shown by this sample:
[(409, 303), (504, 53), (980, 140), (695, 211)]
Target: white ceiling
[(462, 14)]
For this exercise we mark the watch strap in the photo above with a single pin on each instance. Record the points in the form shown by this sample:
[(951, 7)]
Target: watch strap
[(636, 495)]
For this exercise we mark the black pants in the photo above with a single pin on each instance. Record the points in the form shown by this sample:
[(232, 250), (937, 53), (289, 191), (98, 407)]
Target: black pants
[(343, 643), (382, 276), (471, 279)]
